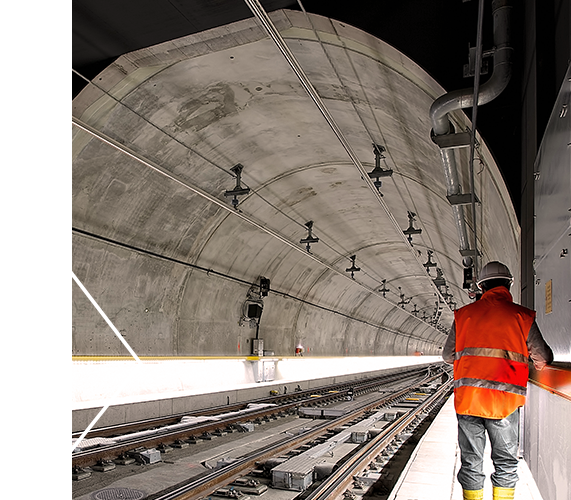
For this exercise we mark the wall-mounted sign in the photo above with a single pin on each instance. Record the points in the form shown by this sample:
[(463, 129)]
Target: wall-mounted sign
[(548, 301)]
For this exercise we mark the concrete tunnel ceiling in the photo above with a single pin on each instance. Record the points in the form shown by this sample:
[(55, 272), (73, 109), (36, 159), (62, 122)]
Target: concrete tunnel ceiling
[(172, 263)]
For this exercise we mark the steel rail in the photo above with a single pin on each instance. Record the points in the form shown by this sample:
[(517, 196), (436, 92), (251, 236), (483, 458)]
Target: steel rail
[(91, 456), (342, 389), (206, 485), (335, 484)]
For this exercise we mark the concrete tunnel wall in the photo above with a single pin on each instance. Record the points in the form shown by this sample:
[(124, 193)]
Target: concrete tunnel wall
[(172, 270)]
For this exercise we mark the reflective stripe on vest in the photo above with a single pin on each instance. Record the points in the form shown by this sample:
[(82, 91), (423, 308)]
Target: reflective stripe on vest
[(491, 353), (490, 384)]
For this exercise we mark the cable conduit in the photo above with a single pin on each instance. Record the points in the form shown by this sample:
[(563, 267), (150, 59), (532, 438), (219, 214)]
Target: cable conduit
[(464, 98)]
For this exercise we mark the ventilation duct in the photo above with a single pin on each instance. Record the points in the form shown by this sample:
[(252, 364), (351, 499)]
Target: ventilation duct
[(442, 129)]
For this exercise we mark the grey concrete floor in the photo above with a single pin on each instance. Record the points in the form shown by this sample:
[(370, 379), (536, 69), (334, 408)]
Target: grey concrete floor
[(183, 464)]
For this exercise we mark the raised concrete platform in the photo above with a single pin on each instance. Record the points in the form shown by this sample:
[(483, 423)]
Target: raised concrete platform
[(431, 471)]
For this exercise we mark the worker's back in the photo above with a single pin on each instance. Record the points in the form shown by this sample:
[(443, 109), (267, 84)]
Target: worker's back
[(491, 361)]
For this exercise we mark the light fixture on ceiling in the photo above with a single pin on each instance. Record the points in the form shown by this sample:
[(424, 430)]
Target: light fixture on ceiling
[(310, 238), (468, 263), (264, 286), (252, 307), (238, 189), (353, 269), (410, 230), (378, 172)]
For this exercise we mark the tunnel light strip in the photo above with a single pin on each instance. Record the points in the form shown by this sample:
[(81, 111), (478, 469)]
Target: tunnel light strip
[(125, 150), (274, 34)]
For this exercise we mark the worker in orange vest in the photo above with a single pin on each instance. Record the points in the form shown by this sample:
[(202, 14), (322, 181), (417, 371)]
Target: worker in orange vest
[(489, 345)]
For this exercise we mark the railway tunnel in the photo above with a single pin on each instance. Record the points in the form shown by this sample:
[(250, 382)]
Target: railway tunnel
[(261, 203)]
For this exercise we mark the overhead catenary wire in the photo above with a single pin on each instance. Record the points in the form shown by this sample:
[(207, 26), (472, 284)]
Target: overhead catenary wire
[(248, 219), (211, 162), (352, 101), (274, 34), (209, 271)]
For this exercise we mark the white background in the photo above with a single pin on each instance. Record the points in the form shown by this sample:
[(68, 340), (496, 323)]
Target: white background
[(35, 134), (35, 195)]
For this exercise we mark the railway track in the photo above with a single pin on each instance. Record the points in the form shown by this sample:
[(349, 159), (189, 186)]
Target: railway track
[(111, 442), (211, 481), (341, 480)]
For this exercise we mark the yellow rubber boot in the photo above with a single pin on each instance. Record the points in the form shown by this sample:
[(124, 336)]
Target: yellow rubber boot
[(503, 493), (474, 494)]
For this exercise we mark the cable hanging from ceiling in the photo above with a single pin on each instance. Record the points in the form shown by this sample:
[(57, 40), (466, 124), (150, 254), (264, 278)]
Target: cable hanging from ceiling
[(376, 147), (159, 169), (240, 189), (209, 161)]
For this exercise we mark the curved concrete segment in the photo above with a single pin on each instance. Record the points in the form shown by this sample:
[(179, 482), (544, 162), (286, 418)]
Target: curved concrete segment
[(172, 263)]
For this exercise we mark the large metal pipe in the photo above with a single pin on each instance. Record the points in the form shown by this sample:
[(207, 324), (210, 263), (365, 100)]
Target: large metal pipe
[(459, 99)]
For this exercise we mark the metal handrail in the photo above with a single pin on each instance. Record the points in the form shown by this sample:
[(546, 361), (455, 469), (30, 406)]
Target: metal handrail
[(555, 378)]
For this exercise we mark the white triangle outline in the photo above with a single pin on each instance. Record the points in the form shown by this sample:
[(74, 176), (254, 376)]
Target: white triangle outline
[(24, 391)]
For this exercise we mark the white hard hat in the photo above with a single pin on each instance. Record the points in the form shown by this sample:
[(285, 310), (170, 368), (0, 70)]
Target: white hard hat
[(494, 270)]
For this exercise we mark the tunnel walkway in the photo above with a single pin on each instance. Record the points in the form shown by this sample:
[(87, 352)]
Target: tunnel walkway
[(431, 472)]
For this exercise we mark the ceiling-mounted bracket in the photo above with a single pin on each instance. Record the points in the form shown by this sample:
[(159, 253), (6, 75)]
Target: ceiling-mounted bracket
[(378, 172), (353, 269), (238, 190), (384, 288), (310, 238), (439, 280), (469, 69), (428, 264), (403, 300), (470, 252), (462, 199), (410, 230), (451, 141)]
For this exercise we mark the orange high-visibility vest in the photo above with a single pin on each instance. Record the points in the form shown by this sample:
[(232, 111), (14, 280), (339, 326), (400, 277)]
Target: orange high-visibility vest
[(491, 356)]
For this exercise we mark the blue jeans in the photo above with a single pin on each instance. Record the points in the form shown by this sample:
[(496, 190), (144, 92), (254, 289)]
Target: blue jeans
[(504, 438)]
